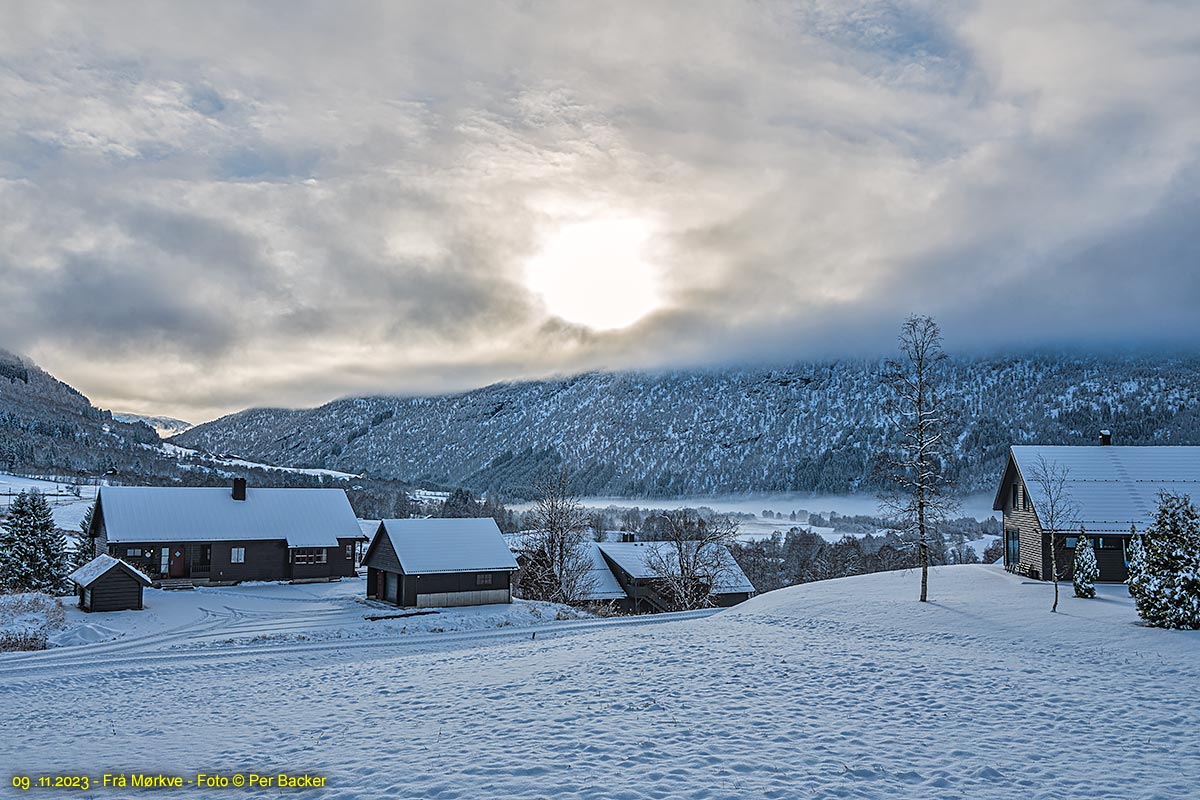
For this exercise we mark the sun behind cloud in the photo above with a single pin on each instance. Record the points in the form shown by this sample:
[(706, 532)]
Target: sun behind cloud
[(597, 273)]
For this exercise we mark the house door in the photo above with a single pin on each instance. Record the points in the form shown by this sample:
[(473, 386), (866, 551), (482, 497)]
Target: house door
[(177, 565), (391, 587)]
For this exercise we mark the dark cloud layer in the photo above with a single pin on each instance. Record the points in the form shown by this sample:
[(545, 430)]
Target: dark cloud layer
[(209, 206)]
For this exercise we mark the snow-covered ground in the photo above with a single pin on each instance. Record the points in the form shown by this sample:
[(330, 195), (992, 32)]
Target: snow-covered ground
[(278, 612), (846, 688)]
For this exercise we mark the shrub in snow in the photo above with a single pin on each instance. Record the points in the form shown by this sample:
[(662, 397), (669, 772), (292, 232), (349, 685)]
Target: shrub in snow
[(1167, 592), (33, 552), (1086, 568), (26, 620), (1135, 562)]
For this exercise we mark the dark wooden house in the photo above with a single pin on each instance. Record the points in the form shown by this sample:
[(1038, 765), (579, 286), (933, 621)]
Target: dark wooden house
[(218, 535), (109, 584), (439, 563), (1113, 489), (632, 564)]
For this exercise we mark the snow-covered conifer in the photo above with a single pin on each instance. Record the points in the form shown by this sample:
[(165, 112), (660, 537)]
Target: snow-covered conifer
[(1135, 557), (33, 552), (1168, 594), (1086, 568)]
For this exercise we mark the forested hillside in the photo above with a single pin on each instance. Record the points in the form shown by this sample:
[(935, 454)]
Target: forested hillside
[(810, 427), (45, 425)]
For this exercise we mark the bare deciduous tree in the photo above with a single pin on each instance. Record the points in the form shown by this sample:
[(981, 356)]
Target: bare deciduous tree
[(1056, 509), (557, 566), (693, 558), (918, 409)]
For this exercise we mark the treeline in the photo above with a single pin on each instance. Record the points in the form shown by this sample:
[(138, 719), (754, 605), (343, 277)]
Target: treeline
[(801, 556)]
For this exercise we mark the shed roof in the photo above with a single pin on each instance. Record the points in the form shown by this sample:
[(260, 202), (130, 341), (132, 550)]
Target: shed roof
[(302, 517), (427, 546), (1113, 486), (100, 566), (635, 558)]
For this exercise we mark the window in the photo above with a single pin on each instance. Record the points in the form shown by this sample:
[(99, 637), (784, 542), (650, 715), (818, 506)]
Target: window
[(1012, 546), (133, 551), (308, 555), (1108, 542), (1016, 496), (165, 562), (1071, 541), (483, 579), (237, 555), (1024, 498), (349, 552)]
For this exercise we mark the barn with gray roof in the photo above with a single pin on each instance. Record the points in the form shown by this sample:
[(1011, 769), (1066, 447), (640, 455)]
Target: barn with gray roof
[(439, 563), (1112, 488)]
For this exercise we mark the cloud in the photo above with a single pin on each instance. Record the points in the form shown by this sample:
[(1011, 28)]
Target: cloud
[(208, 207)]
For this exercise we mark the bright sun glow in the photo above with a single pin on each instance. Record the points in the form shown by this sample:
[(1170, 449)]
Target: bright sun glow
[(596, 274)]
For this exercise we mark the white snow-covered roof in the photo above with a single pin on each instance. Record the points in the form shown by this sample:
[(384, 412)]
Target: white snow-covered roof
[(1113, 486), (604, 585), (90, 572), (426, 546), (303, 517), (635, 558)]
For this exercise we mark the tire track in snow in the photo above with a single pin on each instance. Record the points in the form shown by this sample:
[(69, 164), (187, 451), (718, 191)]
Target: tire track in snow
[(208, 655)]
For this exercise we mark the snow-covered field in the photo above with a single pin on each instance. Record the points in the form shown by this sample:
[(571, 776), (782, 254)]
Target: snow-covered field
[(845, 688), (279, 612)]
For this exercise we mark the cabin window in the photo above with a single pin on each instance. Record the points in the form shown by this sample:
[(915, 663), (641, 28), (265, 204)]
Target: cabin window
[(133, 551), (1024, 498), (165, 561), (349, 552), (1108, 543), (483, 579), (309, 555), (1015, 496), (1012, 546), (1071, 541), (237, 555)]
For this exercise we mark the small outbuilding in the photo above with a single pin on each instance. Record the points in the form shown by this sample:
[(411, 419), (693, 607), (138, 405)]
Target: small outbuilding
[(109, 584), (439, 563)]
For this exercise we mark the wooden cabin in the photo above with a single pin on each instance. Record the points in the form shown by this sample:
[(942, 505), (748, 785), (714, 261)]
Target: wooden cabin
[(632, 564), (439, 563), (1113, 489), (189, 535), (109, 584)]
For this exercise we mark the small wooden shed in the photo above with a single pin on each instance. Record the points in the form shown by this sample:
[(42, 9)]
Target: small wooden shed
[(109, 584)]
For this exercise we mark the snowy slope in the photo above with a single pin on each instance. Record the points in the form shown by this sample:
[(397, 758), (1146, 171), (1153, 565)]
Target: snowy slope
[(845, 688)]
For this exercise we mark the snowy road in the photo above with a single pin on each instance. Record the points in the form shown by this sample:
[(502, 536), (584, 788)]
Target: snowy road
[(841, 689)]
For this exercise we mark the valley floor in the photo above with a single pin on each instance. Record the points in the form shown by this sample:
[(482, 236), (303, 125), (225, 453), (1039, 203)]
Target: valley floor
[(845, 688)]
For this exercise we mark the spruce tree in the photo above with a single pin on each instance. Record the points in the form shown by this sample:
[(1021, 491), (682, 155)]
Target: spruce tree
[(1168, 594), (1086, 568), (33, 552), (1135, 557)]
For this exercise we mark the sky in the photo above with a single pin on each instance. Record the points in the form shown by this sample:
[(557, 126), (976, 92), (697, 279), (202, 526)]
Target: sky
[(207, 207)]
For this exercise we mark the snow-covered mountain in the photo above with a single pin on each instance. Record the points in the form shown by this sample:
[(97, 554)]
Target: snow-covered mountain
[(46, 425), (163, 426), (809, 427)]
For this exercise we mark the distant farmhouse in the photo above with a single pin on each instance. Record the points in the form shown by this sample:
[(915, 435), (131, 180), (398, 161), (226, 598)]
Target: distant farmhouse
[(428, 563), (632, 563), (622, 575), (223, 535), (1113, 488)]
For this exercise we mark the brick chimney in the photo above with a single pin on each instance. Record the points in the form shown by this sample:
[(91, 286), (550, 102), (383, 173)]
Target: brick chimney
[(1106, 437), (239, 488)]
